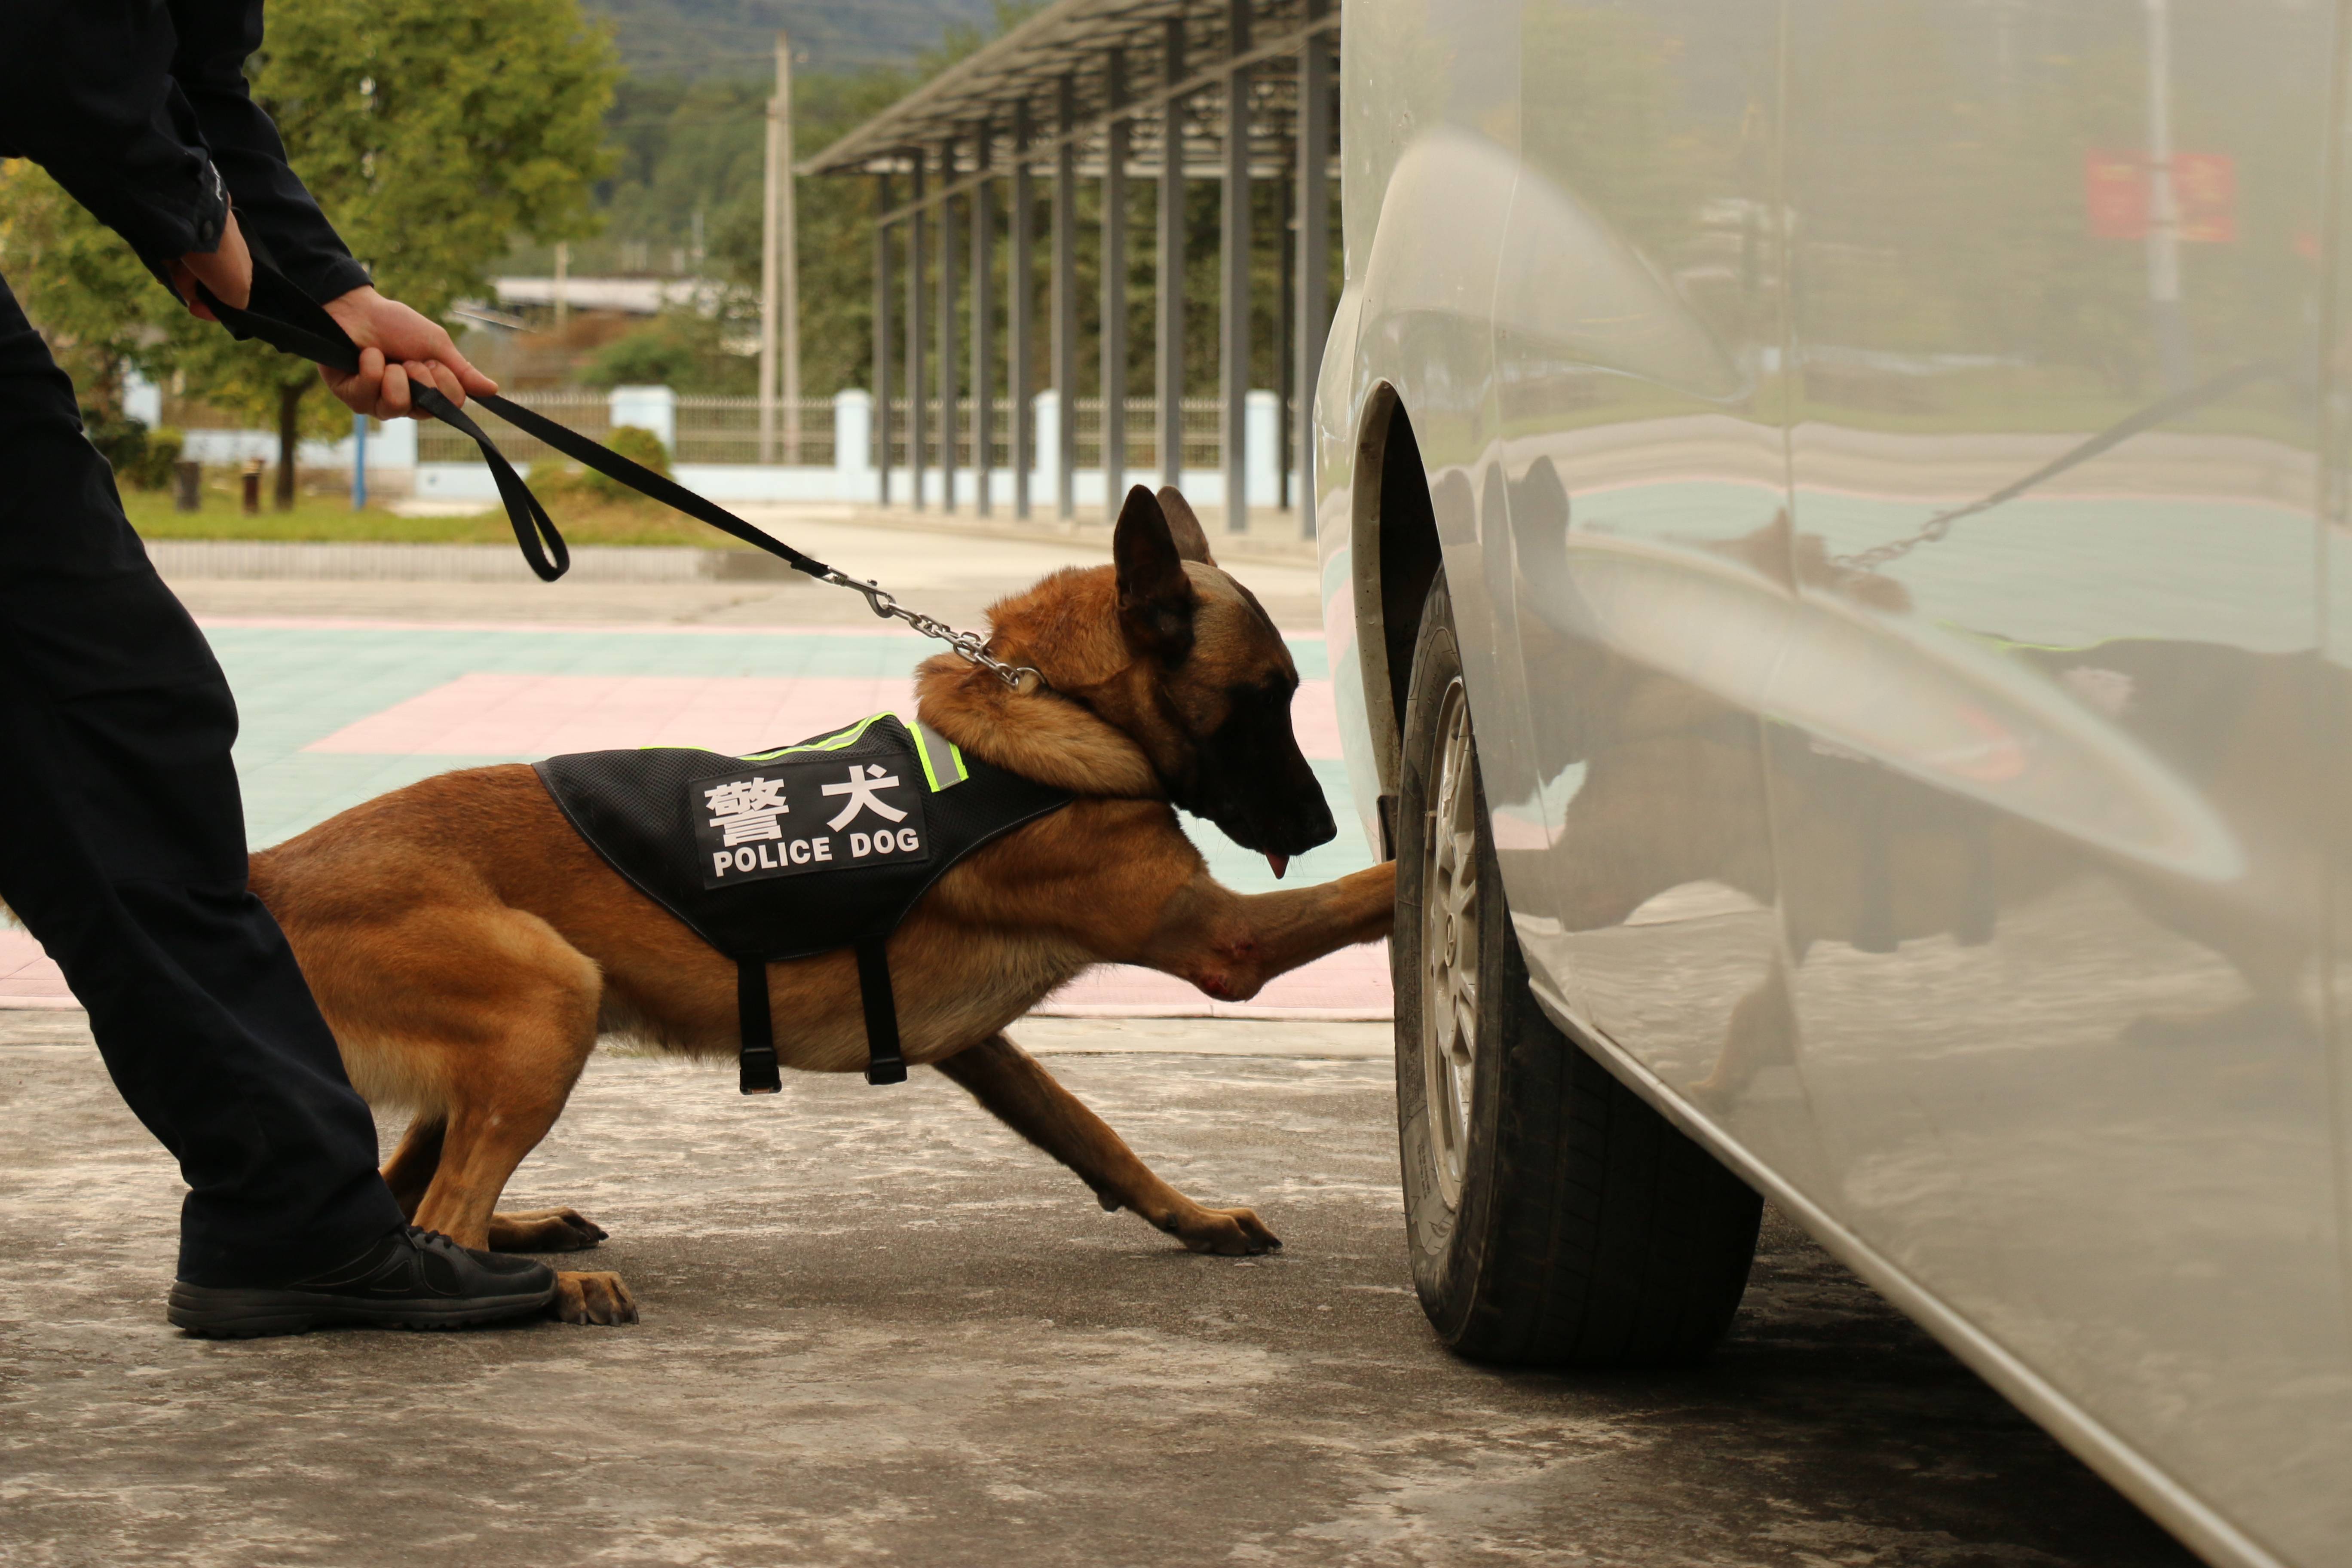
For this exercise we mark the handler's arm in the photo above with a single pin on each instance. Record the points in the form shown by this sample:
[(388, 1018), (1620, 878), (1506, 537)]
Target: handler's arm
[(280, 218), (86, 91), (398, 347)]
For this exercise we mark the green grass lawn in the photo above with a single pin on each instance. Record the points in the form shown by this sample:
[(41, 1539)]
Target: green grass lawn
[(583, 521)]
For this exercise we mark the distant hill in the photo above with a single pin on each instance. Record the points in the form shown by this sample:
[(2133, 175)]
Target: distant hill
[(737, 38)]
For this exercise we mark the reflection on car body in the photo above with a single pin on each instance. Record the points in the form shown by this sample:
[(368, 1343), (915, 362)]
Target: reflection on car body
[(1904, 637)]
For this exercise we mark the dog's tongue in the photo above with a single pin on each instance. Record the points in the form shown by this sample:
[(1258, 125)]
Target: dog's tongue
[(1280, 863)]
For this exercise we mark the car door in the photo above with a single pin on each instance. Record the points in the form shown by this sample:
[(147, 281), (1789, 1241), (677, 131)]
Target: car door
[(2048, 744), (1440, 151), (1638, 339)]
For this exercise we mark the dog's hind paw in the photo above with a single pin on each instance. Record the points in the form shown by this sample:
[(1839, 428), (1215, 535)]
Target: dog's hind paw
[(598, 1297), (1228, 1232), (544, 1230)]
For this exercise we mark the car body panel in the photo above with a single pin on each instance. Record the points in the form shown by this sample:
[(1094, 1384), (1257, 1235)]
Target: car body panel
[(1907, 647)]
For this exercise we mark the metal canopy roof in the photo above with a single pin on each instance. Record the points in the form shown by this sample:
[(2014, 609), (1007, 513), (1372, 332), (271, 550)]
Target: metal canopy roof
[(1115, 59)]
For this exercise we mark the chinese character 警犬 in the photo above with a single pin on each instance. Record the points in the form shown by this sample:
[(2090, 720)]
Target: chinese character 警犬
[(747, 809), (864, 780)]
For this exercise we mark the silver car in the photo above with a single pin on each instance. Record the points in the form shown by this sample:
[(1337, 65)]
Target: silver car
[(1832, 515)]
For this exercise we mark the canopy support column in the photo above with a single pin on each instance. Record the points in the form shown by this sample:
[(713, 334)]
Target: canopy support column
[(983, 396), (880, 430), (1065, 300), (1114, 293), (1169, 325), (1314, 190), (918, 419), (1021, 286), (1233, 293), (949, 421)]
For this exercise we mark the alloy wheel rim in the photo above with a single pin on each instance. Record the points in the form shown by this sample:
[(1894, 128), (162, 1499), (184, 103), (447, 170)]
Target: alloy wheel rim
[(1449, 944)]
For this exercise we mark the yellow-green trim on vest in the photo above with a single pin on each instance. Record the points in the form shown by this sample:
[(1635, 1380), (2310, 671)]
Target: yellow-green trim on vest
[(941, 758)]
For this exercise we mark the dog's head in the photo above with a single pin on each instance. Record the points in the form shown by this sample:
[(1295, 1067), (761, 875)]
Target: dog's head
[(1208, 694)]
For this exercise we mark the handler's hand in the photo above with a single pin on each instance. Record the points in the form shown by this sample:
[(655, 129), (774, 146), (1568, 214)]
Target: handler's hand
[(227, 270), (398, 348)]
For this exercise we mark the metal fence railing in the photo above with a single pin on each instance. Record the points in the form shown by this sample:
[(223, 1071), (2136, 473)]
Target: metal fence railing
[(590, 413), (727, 431), (708, 430), (1203, 427)]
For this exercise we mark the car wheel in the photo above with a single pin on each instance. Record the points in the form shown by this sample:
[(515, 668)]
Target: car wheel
[(1554, 1217)]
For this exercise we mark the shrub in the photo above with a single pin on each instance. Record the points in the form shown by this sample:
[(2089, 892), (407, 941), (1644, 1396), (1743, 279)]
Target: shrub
[(119, 439), (152, 468), (581, 486), (676, 349)]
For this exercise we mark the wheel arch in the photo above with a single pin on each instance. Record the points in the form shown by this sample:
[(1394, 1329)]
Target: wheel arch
[(1393, 539)]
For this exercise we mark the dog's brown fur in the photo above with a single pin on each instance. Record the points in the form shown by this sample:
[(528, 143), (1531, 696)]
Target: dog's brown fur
[(468, 947)]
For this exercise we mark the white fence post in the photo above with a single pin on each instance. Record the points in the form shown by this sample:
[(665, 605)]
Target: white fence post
[(853, 431), (1262, 418), (142, 399), (653, 408), (1046, 420), (393, 445)]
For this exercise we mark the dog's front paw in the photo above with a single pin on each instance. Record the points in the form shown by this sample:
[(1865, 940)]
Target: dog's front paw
[(598, 1297), (544, 1230), (1228, 1232)]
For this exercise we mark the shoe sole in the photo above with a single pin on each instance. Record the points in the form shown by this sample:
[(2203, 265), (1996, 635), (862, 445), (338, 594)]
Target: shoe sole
[(230, 1313)]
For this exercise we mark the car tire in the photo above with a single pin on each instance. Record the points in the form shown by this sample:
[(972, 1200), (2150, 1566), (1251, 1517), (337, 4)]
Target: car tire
[(1554, 1217)]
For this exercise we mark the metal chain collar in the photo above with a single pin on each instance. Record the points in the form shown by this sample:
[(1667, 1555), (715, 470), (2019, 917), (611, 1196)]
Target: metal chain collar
[(970, 646)]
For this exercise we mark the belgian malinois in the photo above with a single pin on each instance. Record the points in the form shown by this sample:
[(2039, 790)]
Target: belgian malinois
[(468, 947)]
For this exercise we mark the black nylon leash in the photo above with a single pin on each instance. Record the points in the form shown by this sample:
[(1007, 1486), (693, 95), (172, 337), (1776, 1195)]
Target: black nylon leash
[(289, 320), (279, 314)]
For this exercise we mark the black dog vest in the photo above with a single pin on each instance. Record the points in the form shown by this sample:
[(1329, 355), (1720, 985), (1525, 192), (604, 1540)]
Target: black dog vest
[(796, 851)]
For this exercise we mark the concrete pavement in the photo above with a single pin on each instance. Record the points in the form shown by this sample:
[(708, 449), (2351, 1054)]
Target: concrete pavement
[(879, 1329)]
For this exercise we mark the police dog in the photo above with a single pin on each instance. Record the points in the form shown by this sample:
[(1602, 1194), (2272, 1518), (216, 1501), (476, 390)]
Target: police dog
[(468, 947)]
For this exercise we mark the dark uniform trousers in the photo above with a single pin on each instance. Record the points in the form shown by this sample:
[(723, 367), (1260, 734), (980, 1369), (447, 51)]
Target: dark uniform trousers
[(122, 850)]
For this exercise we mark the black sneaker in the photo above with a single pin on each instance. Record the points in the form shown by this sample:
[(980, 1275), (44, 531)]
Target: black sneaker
[(413, 1278)]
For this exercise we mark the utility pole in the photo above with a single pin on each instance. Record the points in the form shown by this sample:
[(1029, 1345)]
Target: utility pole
[(780, 273)]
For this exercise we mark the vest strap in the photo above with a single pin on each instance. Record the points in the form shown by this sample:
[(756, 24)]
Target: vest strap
[(756, 1066), (883, 1062)]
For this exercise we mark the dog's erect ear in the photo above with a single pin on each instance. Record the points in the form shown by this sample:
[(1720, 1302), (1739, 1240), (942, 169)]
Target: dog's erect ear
[(1155, 597), (1192, 539)]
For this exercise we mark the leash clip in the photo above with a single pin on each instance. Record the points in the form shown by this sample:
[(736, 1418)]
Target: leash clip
[(881, 601), (970, 646)]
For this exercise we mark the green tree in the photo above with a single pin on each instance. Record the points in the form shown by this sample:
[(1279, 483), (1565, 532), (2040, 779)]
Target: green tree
[(682, 350), (99, 310), (430, 130)]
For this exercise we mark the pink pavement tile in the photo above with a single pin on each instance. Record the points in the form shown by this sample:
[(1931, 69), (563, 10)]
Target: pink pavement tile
[(545, 715), (27, 978), (495, 715), (1352, 984)]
